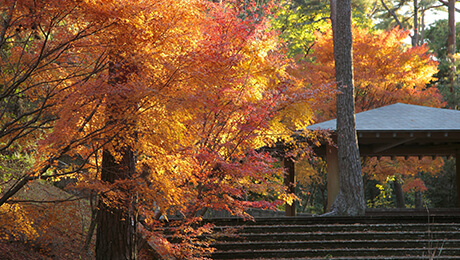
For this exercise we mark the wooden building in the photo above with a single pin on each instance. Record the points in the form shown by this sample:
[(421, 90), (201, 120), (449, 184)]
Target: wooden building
[(394, 130)]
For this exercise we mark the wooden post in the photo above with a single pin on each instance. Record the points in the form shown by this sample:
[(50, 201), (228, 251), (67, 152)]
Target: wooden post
[(457, 167), (289, 181), (333, 177)]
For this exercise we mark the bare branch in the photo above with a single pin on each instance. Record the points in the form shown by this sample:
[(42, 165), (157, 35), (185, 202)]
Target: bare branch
[(447, 4), (72, 198), (392, 14)]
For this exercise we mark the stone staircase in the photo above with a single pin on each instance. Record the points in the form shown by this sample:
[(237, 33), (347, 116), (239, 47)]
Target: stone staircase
[(374, 236)]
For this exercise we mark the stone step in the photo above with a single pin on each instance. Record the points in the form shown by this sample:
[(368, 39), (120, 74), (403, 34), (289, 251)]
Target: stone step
[(373, 235), (309, 220), (334, 253), (369, 237), (337, 244), (413, 212), (342, 227), (426, 257)]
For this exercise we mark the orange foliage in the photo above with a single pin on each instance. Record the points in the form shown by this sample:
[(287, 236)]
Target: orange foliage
[(193, 87), (380, 169), (406, 170), (16, 224), (385, 71), (46, 228), (41, 49), (200, 89)]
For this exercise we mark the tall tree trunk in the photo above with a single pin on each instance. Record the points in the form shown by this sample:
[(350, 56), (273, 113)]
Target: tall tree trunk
[(415, 41), (350, 200), (289, 182), (399, 193), (116, 224), (451, 37), (421, 36), (451, 44), (418, 198), (116, 237)]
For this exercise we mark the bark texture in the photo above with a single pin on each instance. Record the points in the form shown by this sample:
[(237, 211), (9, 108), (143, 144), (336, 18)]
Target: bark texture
[(451, 39), (116, 225), (415, 37), (451, 44), (289, 181), (350, 200), (116, 237), (399, 194)]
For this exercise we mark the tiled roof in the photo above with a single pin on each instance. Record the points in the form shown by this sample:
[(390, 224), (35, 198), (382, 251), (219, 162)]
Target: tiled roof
[(402, 117)]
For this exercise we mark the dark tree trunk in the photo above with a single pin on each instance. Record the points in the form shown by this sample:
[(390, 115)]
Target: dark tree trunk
[(418, 200), (116, 224), (399, 194), (415, 40), (451, 37), (289, 182), (117, 218), (421, 31), (350, 200), (451, 43)]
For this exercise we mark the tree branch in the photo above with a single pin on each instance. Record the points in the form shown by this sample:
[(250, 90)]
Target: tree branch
[(392, 14), (447, 4), (71, 198)]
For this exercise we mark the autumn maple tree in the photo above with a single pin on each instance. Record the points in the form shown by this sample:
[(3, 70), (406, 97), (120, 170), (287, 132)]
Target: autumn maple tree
[(158, 107), (403, 173), (386, 71), (45, 53), (40, 58)]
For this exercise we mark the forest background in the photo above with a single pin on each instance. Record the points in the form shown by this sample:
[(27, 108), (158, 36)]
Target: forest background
[(145, 112)]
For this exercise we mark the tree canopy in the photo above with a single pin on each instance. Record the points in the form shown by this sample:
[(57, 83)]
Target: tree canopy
[(385, 70), (187, 89), (159, 109)]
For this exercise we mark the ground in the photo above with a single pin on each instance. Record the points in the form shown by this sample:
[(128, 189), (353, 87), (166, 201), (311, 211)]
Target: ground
[(44, 230)]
